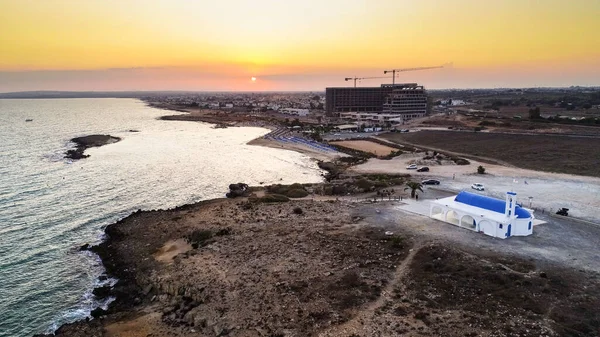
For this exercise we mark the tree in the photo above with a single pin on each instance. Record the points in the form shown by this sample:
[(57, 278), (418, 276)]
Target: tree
[(535, 113), (414, 187), (316, 136), (481, 169)]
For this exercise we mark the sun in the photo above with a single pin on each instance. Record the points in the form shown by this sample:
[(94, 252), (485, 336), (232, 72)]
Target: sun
[(253, 79)]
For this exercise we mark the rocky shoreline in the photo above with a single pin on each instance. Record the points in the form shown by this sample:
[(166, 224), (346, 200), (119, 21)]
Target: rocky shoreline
[(85, 142), (260, 265)]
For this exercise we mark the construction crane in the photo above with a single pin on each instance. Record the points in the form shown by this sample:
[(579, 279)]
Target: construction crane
[(363, 78), (394, 71)]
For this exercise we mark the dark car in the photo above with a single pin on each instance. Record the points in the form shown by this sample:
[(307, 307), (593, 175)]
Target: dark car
[(423, 169), (430, 182)]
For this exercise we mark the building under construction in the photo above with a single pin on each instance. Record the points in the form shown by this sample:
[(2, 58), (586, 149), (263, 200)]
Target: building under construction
[(394, 103)]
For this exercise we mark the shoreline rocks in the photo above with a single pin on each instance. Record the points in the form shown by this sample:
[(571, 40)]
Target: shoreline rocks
[(82, 143)]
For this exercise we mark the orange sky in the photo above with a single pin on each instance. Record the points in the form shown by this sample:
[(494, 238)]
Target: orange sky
[(294, 45)]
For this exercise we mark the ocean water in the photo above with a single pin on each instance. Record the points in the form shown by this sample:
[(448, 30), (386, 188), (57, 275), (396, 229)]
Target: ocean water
[(50, 206)]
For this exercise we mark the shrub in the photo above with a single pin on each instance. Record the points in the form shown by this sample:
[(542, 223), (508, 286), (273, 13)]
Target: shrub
[(397, 241), (460, 161), (274, 198), (296, 193), (481, 169), (363, 184), (223, 231), (298, 210), (198, 238), (339, 190), (296, 186)]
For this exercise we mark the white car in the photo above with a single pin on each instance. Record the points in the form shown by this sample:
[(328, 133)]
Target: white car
[(478, 187), (412, 167)]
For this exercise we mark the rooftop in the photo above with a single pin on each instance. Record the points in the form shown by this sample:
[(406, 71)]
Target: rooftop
[(481, 205)]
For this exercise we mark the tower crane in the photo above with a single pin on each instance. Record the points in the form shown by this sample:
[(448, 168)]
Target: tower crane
[(394, 71), (363, 78)]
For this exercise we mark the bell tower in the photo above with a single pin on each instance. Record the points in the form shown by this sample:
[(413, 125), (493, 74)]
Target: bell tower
[(511, 205)]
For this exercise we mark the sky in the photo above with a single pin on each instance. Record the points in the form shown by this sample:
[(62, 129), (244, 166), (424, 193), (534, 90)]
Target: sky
[(295, 45)]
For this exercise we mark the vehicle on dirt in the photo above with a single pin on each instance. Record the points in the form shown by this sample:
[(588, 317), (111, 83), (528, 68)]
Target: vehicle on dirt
[(423, 169), (563, 211), (478, 186), (404, 130), (430, 182), (412, 167)]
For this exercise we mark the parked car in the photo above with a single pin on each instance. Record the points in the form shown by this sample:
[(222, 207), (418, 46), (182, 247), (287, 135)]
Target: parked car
[(423, 169), (412, 167), (478, 187), (404, 130), (430, 182)]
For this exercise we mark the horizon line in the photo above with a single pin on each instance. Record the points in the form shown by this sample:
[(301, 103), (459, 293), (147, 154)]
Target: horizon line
[(271, 91)]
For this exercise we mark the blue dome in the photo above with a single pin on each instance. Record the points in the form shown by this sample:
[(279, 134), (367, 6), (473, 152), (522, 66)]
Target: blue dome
[(491, 204)]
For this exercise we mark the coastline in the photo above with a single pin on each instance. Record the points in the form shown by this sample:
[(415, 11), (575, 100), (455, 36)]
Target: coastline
[(265, 269), (323, 299), (217, 117), (222, 119), (126, 292)]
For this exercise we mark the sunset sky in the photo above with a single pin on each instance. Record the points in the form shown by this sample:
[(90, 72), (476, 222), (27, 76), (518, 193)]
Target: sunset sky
[(295, 45)]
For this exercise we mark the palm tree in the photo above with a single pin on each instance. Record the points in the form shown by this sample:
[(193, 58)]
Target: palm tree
[(413, 186)]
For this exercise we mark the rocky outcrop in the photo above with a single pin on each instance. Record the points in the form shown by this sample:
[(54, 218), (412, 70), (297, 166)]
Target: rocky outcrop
[(237, 190), (82, 143)]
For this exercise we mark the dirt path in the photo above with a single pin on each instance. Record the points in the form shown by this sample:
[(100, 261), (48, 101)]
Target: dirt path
[(356, 324)]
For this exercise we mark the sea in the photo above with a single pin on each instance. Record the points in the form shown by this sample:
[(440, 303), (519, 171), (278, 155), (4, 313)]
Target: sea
[(51, 206)]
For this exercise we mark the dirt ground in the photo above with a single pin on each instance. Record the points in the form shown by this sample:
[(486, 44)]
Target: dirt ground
[(501, 122), (562, 154), (366, 146), (328, 270), (548, 191)]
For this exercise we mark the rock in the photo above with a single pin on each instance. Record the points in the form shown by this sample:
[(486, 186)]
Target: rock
[(102, 292), (220, 331), (82, 143), (98, 312)]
